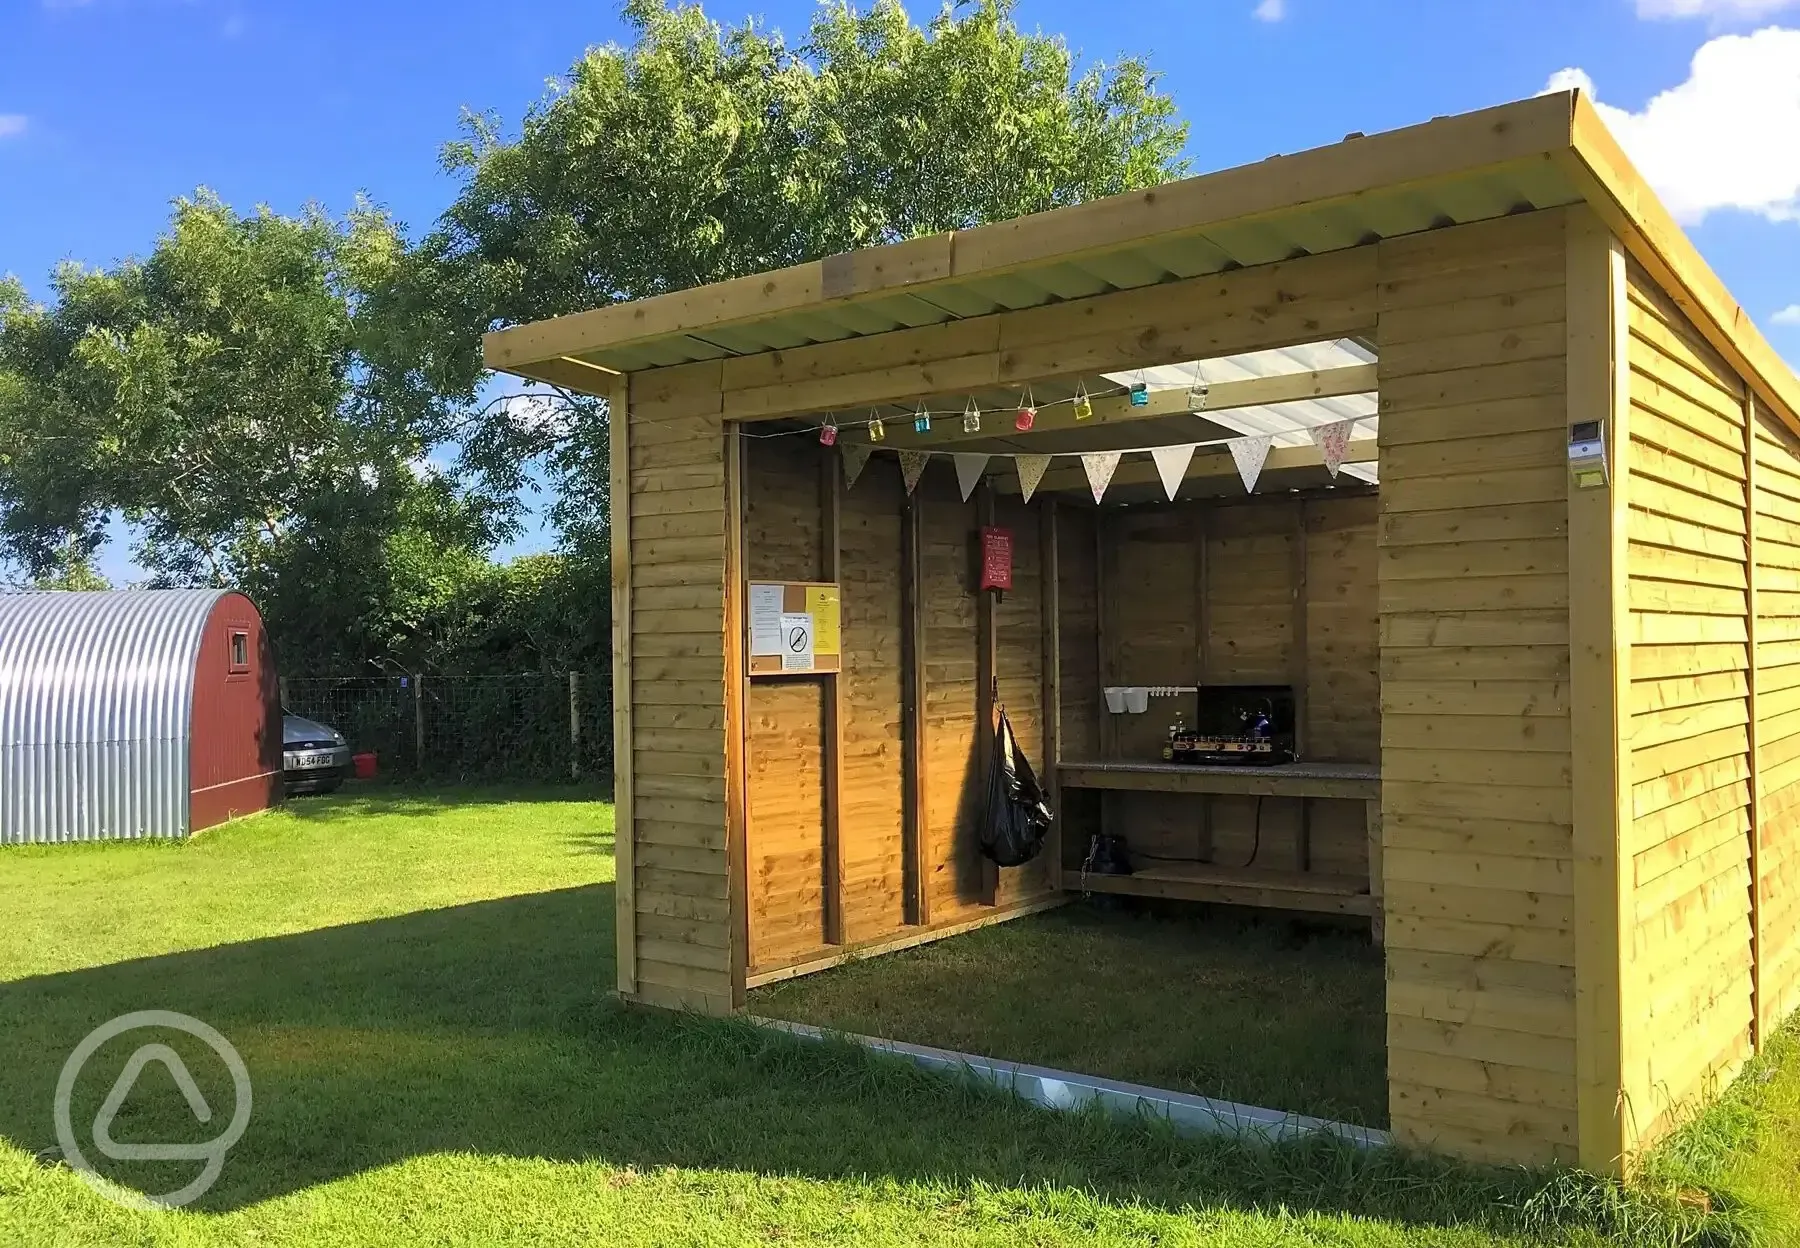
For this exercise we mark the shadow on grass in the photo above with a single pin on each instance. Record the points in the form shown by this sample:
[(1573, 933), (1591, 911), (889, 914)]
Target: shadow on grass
[(358, 801), (487, 1028)]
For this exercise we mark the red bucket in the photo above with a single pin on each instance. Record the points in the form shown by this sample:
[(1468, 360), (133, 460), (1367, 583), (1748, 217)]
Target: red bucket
[(364, 765)]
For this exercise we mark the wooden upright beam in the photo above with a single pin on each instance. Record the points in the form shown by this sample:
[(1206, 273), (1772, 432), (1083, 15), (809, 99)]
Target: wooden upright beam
[(987, 650), (916, 825), (1049, 548), (618, 421), (831, 508), (1599, 687), (737, 732)]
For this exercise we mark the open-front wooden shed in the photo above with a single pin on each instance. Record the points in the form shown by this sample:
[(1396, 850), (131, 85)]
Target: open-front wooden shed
[(1540, 633)]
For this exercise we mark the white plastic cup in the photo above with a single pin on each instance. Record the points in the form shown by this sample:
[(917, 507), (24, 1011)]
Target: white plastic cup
[(1115, 699), (1137, 700)]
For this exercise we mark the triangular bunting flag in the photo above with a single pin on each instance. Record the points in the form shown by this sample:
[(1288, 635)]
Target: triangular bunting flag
[(1333, 441), (856, 458), (1172, 462), (1031, 471), (969, 468), (1100, 466), (912, 467), (1249, 454)]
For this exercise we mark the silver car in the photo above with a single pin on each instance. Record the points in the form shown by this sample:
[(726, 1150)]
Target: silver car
[(314, 758)]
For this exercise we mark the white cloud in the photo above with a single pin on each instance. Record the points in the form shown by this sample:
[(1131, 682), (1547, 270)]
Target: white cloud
[(1725, 137), (1716, 10), (1789, 315), (1270, 11), (12, 125)]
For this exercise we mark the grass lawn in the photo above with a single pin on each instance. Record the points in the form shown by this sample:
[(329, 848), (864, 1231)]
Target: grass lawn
[(1264, 1013), (418, 987)]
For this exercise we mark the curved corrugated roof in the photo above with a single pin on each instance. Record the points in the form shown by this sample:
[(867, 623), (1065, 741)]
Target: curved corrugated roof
[(96, 702)]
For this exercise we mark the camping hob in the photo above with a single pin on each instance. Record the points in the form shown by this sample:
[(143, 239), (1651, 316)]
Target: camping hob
[(1236, 725)]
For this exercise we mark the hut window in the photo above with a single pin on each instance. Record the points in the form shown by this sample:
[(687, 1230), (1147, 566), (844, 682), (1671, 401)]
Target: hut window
[(240, 650)]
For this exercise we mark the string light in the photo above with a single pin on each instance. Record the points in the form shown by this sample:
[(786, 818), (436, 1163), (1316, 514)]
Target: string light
[(1140, 394), (828, 434), (1084, 406), (922, 420), (1027, 416), (877, 431), (971, 418)]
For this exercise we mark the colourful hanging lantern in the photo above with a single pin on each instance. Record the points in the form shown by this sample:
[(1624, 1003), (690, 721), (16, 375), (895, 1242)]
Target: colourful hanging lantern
[(1027, 416), (1084, 406), (877, 431), (922, 420), (828, 434), (1140, 395), (971, 418)]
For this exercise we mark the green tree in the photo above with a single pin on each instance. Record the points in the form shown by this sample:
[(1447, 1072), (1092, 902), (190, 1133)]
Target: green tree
[(217, 394), (704, 152)]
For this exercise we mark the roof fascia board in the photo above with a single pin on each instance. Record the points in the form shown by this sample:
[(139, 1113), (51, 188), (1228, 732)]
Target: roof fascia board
[(1446, 146), (1619, 194)]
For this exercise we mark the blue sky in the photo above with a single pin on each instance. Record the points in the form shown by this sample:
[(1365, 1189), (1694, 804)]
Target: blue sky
[(109, 108)]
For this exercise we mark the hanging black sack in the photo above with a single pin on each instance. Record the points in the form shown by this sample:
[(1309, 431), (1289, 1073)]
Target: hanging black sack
[(1016, 818)]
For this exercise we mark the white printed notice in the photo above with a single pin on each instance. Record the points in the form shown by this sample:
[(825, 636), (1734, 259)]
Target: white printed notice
[(765, 619), (797, 641)]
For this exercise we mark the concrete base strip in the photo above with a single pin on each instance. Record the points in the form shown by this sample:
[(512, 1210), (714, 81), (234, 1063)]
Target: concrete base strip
[(1059, 1089)]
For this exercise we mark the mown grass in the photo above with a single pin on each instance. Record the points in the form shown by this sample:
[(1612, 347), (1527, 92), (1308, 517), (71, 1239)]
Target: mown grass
[(419, 990), (1271, 1013)]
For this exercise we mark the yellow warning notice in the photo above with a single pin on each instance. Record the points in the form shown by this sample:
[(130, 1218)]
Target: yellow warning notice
[(822, 605)]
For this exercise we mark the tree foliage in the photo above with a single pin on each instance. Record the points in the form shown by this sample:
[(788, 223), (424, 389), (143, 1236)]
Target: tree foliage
[(704, 152)]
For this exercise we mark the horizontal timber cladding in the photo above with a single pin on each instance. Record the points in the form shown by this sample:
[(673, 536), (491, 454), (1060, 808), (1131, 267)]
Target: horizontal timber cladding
[(790, 856), (1691, 698), (1270, 590), (1778, 715), (1474, 670), (680, 887)]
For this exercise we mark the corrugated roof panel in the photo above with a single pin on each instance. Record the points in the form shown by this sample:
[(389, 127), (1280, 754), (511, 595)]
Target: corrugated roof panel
[(1071, 281), (96, 704)]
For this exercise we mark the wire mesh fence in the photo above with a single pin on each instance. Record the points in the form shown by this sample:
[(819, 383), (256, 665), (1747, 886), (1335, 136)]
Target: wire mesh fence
[(530, 727)]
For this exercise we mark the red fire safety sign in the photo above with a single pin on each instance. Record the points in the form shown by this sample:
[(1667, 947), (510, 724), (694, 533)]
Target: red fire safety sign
[(996, 559)]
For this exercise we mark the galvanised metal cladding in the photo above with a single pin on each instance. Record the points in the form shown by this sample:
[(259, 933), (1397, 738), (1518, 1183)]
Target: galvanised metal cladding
[(96, 703)]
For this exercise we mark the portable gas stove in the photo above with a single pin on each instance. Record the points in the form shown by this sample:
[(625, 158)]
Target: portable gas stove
[(1236, 725)]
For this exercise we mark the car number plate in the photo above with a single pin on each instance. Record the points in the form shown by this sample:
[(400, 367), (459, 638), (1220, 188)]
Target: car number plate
[(321, 759)]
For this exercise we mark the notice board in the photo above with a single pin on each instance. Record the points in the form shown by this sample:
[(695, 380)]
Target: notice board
[(795, 627)]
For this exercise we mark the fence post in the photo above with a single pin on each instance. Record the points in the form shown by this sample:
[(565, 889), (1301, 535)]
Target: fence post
[(419, 722), (574, 725)]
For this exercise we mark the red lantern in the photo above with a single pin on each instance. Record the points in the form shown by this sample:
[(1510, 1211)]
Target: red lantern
[(828, 435), (1026, 418)]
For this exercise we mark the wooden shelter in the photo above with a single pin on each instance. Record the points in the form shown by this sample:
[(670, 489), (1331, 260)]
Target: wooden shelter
[(1547, 692)]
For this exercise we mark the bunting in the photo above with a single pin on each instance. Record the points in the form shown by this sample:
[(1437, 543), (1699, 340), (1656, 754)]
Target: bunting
[(1172, 463), (1333, 441), (1100, 466), (1249, 454), (856, 458), (912, 467), (969, 468), (1031, 471)]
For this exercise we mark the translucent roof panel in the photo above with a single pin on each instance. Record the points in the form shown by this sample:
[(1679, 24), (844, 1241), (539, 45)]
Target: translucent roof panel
[(1289, 424)]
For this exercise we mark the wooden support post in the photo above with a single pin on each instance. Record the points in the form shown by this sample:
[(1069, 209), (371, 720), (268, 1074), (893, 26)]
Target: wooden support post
[(1109, 730), (574, 725), (916, 825), (737, 741), (1377, 888), (1202, 635), (618, 421), (1050, 598), (987, 636), (418, 683), (1599, 709), (1298, 674), (1760, 1023), (831, 765)]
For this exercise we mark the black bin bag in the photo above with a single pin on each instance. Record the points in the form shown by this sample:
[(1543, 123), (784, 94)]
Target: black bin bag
[(1016, 818)]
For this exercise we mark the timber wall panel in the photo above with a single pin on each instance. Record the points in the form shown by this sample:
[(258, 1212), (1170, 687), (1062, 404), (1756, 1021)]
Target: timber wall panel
[(872, 774), (1778, 709), (1689, 741), (1474, 669), (1019, 667), (680, 870)]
